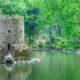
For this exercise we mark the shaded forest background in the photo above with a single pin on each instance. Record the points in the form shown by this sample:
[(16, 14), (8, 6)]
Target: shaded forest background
[(48, 23)]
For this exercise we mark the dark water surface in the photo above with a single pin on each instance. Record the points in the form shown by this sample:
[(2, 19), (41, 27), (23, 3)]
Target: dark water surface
[(53, 66)]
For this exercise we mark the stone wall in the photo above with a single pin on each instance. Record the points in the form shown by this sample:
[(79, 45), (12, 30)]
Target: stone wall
[(11, 32)]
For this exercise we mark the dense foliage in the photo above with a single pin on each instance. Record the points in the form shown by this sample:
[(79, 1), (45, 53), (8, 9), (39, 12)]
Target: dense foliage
[(57, 20)]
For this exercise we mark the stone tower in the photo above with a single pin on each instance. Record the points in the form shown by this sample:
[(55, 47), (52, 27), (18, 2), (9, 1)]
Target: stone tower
[(11, 32)]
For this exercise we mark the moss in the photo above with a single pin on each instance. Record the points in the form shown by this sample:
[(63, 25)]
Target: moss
[(22, 52)]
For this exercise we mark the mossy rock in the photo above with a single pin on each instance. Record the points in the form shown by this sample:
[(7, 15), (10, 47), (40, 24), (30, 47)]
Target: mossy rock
[(22, 52)]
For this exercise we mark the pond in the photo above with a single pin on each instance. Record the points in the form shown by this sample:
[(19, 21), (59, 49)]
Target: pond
[(54, 65)]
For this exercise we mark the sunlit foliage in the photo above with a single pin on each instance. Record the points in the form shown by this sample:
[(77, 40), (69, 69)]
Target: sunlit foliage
[(43, 15)]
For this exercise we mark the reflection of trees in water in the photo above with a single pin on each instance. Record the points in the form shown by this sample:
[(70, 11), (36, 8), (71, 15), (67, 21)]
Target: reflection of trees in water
[(18, 72)]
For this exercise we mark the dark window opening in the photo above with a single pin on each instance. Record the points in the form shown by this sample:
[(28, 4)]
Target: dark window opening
[(21, 31), (9, 31), (9, 46)]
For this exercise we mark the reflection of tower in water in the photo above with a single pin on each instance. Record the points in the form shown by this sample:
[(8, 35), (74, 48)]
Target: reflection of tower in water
[(16, 72), (9, 76), (8, 68)]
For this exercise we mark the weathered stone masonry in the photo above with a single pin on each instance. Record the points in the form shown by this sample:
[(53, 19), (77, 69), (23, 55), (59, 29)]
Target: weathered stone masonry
[(11, 32)]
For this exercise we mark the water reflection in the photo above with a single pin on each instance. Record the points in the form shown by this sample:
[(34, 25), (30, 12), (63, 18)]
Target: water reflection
[(14, 72), (8, 67), (56, 66), (53, 66)]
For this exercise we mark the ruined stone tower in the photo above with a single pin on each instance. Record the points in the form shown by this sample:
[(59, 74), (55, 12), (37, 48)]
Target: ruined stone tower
[(11, 32)]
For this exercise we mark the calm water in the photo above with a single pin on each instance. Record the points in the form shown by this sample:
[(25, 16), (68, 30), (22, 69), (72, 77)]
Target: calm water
[(53, 66)]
